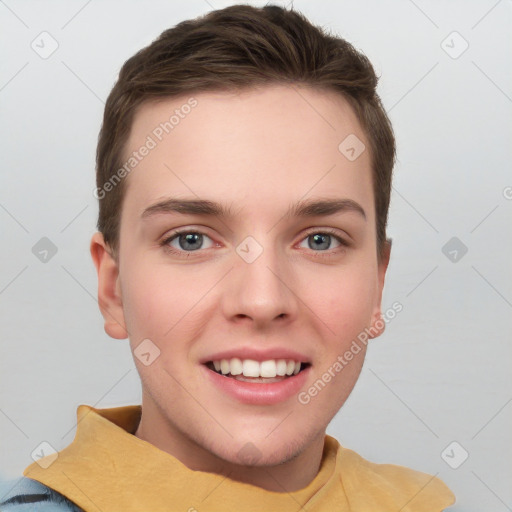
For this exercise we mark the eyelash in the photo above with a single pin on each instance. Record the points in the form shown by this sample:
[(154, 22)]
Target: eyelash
[(322, 254)]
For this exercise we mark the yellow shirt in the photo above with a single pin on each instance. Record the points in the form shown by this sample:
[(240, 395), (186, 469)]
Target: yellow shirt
[(106, 468)]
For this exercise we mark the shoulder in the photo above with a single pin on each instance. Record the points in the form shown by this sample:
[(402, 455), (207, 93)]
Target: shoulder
[(390, 485), (27, 495)]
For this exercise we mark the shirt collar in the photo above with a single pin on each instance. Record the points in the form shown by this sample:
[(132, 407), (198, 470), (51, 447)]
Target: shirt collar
[(107, 468)]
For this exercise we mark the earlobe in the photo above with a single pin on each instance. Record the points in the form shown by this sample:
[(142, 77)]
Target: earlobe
[(378, 325), (109, 290)]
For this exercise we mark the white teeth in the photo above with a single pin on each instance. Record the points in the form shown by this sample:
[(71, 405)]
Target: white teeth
[(236, 366), (281, 367), (224, 366), (268, 369), (251, 368)]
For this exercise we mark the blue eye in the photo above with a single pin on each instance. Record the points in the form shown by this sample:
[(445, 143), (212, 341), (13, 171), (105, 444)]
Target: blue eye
[(322, 240), (186, 242)]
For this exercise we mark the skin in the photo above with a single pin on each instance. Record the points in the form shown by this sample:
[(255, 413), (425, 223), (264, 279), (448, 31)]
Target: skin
[(257, 151)]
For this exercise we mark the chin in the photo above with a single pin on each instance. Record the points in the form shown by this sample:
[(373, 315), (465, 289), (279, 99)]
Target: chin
[(257, 452)]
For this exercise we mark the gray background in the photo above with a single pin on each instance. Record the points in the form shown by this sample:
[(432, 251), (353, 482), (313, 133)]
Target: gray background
[(440, 373)]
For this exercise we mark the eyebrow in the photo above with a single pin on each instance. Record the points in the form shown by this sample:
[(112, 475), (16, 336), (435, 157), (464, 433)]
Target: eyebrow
[(305, 208)]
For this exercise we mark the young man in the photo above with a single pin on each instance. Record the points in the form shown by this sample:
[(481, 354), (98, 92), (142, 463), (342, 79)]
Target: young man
[(243, 172)]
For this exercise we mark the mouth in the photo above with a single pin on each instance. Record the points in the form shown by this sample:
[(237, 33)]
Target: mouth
[(250, 370), (252, 382)]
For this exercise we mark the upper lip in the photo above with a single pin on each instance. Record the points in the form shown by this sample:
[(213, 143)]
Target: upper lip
[(257, 354)]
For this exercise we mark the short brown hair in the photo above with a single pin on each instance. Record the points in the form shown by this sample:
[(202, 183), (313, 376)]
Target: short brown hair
[(234, 48)]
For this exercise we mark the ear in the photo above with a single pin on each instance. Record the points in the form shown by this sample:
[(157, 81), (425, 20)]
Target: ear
[(109, 290), (378, 325)]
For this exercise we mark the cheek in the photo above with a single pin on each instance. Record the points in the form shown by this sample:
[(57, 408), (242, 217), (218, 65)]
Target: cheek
[(156, 306), (344, 299), (151, 301), (160, 302)]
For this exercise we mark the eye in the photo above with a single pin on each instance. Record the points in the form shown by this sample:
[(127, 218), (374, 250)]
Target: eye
[(323, 240), (182, 242), (186, 241)]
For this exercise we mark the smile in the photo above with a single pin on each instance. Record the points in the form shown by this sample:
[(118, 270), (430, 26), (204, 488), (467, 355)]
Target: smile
[(258, 382), (251, 368)]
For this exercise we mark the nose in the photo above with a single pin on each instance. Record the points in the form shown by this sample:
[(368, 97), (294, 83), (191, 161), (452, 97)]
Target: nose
[(260, 291)]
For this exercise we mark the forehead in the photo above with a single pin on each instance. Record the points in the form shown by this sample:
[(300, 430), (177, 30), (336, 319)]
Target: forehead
[(278, 143)]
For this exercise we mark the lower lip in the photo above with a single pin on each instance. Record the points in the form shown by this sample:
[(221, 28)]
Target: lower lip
[(259, 393)]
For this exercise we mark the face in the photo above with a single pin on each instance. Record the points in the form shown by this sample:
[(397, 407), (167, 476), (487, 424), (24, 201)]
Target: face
[(250, 281)]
